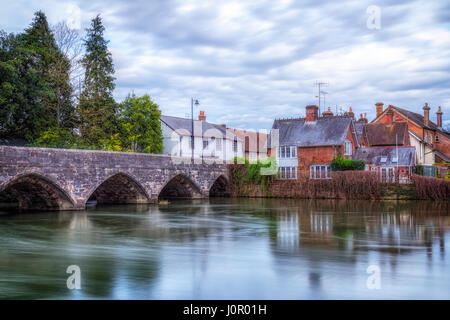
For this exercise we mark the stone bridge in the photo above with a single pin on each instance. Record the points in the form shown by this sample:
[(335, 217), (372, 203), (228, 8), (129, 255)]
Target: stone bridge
[(62, 179)]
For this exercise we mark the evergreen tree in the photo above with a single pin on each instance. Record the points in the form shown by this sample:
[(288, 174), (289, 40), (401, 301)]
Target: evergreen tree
[(97, 107), (34, 88)]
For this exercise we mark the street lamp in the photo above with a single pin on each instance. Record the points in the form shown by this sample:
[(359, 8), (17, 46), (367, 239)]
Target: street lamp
[(192, 126)]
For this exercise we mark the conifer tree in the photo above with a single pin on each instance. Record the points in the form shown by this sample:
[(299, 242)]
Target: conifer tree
[(97, 107)]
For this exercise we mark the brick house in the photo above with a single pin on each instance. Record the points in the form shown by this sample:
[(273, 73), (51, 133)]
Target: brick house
[(431, 141), (308, 145), (391, 164)]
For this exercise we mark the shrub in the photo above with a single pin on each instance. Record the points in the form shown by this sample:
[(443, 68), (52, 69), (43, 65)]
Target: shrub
[(342, 164), (431, 188), (55, 138)]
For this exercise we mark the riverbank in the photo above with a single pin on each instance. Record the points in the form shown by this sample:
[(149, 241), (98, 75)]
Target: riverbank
[(347, 185)]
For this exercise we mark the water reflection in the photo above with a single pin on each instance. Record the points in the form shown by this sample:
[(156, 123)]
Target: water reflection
[(230, 248)]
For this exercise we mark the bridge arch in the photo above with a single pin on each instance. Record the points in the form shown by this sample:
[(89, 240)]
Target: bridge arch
[(180, 186), (118, 188), (34, 191), (220, 187)]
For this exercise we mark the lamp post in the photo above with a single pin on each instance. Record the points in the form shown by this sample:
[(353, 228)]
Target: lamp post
[(192, 126)]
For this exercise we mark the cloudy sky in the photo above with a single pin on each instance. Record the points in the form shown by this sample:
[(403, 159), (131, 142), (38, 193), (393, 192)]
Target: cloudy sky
[(249, 62)]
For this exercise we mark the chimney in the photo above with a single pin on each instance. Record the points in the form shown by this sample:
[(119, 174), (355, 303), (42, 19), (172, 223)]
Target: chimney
[(311, 113), (439, 118), (379, 108), (426, 114), (362, 119), (390, 117), (328, 113), (350, 113), (202, 116)]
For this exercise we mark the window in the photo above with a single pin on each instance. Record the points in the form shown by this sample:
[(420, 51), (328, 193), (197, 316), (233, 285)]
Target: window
[(383, 159), (192, 142), (219, 144), (205, 144), (394, 159), (320, 171), (287, 173), (181, 146), (287, 152), (436, 138), (235, 145), (426, 137), (348, 148)]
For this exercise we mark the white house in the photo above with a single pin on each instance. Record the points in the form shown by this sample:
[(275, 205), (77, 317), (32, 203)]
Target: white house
[(212, 141)]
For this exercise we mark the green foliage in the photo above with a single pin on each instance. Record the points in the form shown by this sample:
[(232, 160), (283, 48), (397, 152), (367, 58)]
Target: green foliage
[(97, 107), (55, 138), (36, 97), (112, 143), (244, 171), (34, 87), (342, 164), (140, 125)]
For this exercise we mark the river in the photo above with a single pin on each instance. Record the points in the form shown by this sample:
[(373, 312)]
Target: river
[(230, 249)]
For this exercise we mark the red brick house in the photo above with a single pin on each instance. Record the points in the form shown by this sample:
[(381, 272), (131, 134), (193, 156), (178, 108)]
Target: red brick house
[(431, 141), (308, 145), (391, 164)]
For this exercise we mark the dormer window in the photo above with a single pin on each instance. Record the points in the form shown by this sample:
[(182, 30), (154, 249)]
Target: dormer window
[(348, 148), (395, 159), (383, 159)]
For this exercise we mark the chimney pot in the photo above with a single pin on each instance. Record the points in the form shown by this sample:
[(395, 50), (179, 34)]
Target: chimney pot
[(202, 116), (328, 113)]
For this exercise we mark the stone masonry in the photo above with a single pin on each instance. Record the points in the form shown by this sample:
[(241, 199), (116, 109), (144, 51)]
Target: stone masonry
[(66, 179)]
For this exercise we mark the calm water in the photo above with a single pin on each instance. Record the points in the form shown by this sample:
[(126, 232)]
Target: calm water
[(230, 249)]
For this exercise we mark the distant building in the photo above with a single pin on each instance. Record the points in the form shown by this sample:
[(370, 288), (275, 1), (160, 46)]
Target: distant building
[(210, 140), (383, 135), (255, 143), (431, 141), (391, 164), (308, 145)]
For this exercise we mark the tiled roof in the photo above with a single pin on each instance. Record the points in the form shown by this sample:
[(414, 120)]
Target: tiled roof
[(183, 127), (418, 118), (359, 126), (380, 134), (374, 155), (326, 131)]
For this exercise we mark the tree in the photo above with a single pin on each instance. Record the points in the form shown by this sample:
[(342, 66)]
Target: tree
[(140, 125), (97, 107), (11, 98), (34, 88)]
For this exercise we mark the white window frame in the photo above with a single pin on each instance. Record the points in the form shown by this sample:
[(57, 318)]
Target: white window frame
[(284, 151), (287, 173), (348, 148), (235, 145), (320, 171), (219, 144)]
